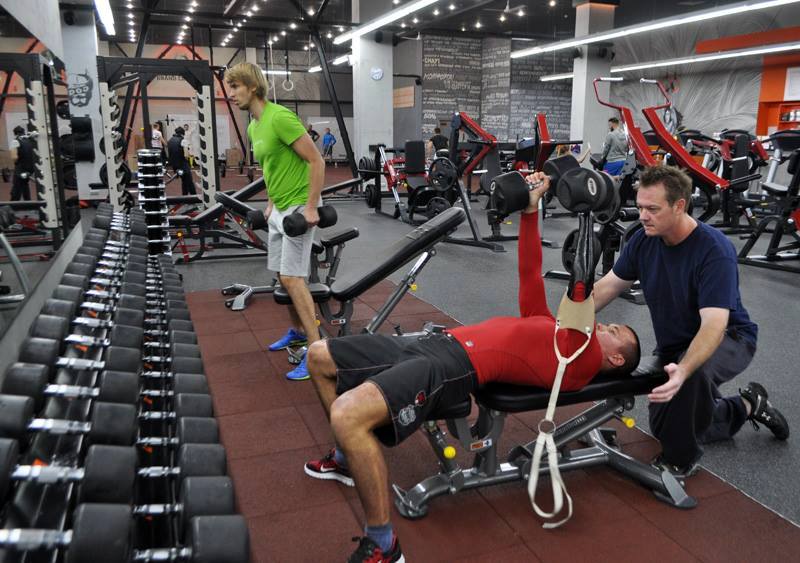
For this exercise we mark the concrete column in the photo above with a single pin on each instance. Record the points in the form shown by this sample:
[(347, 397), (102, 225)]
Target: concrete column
[(373, 112), (589, 120), (80, 61), (250, 55)]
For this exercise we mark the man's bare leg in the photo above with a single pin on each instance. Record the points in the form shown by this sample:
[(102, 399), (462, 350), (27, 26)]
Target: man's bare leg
[(303, 306), (322, 370), (353, 417)]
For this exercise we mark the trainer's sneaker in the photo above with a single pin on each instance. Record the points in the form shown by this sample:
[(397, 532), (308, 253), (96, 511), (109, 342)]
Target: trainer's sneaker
[(678, 471), (300, 373), (327, 468), (763, 412), (369, 552), (291, 338)]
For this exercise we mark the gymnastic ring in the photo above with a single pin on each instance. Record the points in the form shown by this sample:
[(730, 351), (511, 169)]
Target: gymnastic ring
[(550, 430), (288, 88)]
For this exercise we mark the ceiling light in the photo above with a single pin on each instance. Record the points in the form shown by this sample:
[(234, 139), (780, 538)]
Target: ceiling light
[(179, 42), (190, 10), (310, 11), (552, 77), (184, 26), (436, 12), (396, 14), (255, 7), (131, 23), (244, 20), (415, 20), (195, 4), (691, 17), (248, 13), (129, 6), (130, 16), (187, 18), (749, 52), (452, 7), (283, 33), (274, 37), (315, 69), (339, 28), (395, 2), (339, 60), (478, 24), (293, 25), (552, 3), (403, 25), (278, 72), (311, 44), (502, 17), (463, 28), (521, 12), (329, 35), (305, 47)]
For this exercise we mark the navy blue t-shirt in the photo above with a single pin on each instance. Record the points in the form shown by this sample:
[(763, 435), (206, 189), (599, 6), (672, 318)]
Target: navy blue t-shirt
[(679, 280)]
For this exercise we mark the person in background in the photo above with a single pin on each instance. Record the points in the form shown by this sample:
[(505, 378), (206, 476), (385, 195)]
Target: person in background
[(437, 142), (313, 134), (24, 164), (615, 148), (157, 138), (328, 140), (177, 151)]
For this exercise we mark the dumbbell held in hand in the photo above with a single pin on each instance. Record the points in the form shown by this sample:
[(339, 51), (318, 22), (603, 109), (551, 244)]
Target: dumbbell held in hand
[(296, 224)]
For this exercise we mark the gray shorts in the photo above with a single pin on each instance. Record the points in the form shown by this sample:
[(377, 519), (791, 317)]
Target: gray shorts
[(288, 256)]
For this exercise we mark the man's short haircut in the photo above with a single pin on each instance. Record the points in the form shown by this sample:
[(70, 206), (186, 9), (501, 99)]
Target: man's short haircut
[(437, 130), (675, 181), (632, 352), (613, 120), (179, 131), (19, 130), (251, 76)]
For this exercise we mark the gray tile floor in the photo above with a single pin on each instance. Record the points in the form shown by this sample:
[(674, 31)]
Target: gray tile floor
[(472, 284)]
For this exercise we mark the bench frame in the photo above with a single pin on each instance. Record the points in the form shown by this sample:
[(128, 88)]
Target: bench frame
[(482, 440)]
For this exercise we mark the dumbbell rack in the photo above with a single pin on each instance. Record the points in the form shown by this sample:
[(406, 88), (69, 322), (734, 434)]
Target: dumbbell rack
[(99, 283), (153, 199)]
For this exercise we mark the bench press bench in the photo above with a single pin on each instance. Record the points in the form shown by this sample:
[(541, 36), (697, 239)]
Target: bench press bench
[(613, 395), (418, 242)]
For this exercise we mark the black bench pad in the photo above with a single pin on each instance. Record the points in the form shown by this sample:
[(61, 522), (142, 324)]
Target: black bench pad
[(329, 240), (320, 293), (505, 397), (403, 251)]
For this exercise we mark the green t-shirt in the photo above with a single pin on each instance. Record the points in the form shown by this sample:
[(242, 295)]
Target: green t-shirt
[(285, 173)]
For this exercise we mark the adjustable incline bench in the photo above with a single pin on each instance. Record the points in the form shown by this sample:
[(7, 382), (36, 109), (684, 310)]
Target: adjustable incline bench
[(419, 242), (204, 226), (614, 396)]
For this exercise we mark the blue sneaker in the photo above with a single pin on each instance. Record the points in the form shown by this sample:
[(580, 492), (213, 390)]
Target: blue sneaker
[(291, 338), (300, 373)]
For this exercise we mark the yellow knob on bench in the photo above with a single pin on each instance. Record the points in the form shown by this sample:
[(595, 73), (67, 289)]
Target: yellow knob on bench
[(413, 287), (628, 421), (449, 452), (317, 321)]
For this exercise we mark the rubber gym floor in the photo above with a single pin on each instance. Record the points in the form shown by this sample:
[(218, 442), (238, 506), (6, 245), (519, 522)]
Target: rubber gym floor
[(749, 500)]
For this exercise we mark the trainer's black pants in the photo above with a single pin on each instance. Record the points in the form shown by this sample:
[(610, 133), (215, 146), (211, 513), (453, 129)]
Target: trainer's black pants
[(20, 189), (699, 413)]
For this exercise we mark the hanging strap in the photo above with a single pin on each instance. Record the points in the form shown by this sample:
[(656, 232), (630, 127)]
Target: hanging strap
[(576, 316)]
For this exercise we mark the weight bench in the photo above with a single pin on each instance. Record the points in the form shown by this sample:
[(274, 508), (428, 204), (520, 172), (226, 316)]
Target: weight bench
[(419, 242), (205, 225), (613, 395)]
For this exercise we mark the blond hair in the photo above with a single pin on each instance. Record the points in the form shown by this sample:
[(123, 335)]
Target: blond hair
[(251, 76)]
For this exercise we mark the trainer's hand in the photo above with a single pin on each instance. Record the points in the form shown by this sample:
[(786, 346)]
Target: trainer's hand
[(268, 210), (312, 215), (663, 393), (543, 181)]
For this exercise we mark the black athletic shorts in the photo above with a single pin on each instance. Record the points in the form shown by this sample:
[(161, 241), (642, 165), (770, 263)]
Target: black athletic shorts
[(415, 375)]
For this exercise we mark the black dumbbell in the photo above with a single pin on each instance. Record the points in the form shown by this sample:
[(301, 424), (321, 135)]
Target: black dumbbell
[(33, 380), (76, 293), (295, 224), (110, 423), (46, 351), (131, 317), (169, 290), (58, 328), (107, 529)]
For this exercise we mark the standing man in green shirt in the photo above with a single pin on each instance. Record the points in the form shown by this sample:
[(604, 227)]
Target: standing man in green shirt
[(294, 172)]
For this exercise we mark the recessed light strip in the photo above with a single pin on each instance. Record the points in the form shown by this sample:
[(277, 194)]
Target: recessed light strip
[(387, 18), (692, 17)]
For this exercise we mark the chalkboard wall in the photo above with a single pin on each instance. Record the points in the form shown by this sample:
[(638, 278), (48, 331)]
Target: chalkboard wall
[(451, 74), (530, 96), (495, 86), (478, 77)]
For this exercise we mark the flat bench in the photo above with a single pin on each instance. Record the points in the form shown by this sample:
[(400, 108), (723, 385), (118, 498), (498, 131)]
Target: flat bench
[(613, 395)]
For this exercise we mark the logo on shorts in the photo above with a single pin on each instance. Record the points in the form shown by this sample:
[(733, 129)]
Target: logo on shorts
[(419, 400), (407, 415)]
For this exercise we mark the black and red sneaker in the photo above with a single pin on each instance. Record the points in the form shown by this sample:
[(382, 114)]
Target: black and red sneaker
[(369, 552), (327, 468)]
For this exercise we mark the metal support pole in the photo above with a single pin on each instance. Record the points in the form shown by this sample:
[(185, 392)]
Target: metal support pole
[(148, 133), (337, 110)]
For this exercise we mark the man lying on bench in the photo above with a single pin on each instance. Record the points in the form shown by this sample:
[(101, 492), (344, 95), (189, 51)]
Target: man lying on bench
[(377, 387)]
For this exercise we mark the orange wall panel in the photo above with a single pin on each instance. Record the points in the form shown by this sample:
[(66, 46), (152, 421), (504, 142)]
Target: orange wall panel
[(771, 37)]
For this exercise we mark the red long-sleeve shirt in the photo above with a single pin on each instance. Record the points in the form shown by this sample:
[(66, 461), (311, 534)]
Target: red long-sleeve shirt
[(520, 350)]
